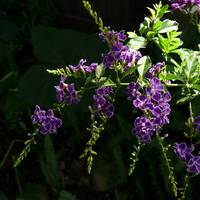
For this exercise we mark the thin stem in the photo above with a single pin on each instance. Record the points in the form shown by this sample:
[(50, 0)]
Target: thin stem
[(8, 151)]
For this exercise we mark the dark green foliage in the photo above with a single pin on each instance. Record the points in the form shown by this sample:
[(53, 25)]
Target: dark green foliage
[(49, 164), (65, 195)]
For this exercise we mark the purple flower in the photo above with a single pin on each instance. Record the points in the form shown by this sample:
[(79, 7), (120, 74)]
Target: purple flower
[(91, 67), (49, 123), (132, 90), (101, 104), (118, 51), (70, 96), (38, 115), (197, 121), (81, 66), (154, 70), (113, 36), (183, 152), (60, 88), (194, 165), (155, 86), (185, 5), (78, 67), (144, 129), (143, 102)]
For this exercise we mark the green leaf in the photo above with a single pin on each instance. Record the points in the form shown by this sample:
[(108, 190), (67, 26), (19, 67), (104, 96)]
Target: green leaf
[(162, 11), (152, 11), (183, 100), (50, 167), (163, 77), (172, 77), (37, 86), (182, 51), (196, 87), (99, 71), (65, 195), (131, 34), (3, 196), (105, 81), (144, 27), (9, 81), (157, 26), (7, 30), (191, 65), (137, 43), (33, 191), (65, 47), (151, 34), (88, 80), (129, 71), (145, 64), (168, 25)]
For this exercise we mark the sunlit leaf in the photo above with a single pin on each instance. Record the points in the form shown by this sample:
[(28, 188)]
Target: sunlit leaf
[(191, 65), (145, 64), (168, 25)]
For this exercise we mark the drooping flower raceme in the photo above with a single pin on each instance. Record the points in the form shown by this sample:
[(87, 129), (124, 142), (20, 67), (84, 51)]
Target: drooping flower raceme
[(48, 123), (155, 106), (102, 105), (69, 95)]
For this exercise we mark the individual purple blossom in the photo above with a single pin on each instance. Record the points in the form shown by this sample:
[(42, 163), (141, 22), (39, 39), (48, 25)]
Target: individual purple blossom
[(60, 89), (70, 95), (194, 165), (183, 152), (80, 67), (197, 121), (132, 89), (143, 102), (49, 123), (162, 114), (38, 115), (156, 86)]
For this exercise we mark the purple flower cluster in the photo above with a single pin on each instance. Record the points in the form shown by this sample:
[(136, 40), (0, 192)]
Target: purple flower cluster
[(155, 107), (48, 123), (185, 4), (102, 105), (80, 67), (118, 52), (184, 153), (69, 95), (154, 70)]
